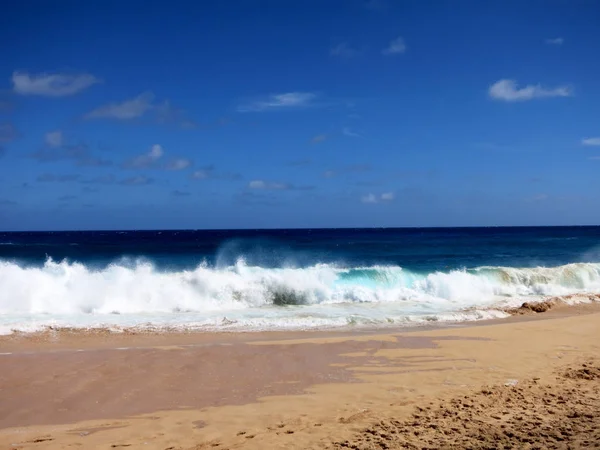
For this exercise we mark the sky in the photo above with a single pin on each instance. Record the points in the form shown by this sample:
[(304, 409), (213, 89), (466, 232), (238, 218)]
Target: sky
[(296, 114)]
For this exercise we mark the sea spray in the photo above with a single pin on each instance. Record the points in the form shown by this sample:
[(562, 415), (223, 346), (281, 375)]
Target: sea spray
[(322, 295)]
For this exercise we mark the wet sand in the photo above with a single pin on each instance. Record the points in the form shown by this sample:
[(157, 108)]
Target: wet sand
[(517, 382)]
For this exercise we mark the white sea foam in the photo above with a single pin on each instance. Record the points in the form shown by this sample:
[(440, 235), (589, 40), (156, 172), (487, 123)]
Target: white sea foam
[(63, 294)]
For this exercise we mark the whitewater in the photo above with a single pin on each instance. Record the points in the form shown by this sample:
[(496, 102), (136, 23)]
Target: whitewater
[(245, 297)]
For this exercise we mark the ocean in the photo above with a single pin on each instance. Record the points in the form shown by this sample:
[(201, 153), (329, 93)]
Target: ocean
[(249, 280)]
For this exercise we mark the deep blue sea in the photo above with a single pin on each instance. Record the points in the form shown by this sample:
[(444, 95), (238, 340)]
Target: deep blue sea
[(286, 279)]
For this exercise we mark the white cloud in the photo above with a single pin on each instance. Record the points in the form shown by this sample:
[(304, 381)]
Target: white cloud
[(396, 46), (369, 198), (54, 139), (163, 112), (129, 109), (372, 198), (509, 91), (555, 41), (202, 174), (329, 174), (257, 184), (266, 185), (594, 158), (179, 164), (289, 100), (591, 141), (51, 85), (147, 159), (343, 50), (346, 131)]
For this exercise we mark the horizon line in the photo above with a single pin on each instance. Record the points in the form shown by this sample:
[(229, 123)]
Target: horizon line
[(116, 230)]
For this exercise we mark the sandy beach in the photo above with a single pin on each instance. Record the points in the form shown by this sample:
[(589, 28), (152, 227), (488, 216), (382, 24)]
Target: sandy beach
[(532, 381)]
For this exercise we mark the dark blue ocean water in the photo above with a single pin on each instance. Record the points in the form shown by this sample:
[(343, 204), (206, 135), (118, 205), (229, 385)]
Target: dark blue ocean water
[(422, 250)]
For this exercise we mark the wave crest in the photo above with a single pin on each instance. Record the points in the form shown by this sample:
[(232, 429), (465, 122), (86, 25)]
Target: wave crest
[(324, 291)]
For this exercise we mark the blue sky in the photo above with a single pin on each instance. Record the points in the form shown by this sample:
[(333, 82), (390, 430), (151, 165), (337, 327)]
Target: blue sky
[(252, 114)]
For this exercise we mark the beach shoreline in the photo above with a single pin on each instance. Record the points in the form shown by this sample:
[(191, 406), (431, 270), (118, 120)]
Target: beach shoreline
[(195, 390), (65, 337)]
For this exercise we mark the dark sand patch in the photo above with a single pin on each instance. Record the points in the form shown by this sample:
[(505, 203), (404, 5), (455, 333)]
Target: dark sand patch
[(65, 386)]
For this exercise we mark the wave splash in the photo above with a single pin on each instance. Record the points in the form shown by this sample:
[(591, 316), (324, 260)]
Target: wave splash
[(251, 294)]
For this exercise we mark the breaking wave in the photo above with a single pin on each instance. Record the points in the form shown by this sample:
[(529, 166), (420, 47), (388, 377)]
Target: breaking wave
[(248, 297)]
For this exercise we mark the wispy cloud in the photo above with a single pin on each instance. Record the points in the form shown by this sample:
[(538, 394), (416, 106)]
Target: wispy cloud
[(8, 132), (51, 84), (139, 180), (126, 110), (374, 198), (369, 198), (594, 158), (54, 139), (102, 179), (276, 186), (79, 154), (144, 105), (51, 178), (167, 113), (508, 90), (344, 50), (150, 160), (276, 102), (555, 41), (346, 131), (268, 185), (178, 164), (178, 193), (318, 138), (593, 141), (210, 173), (353, 168), (395, 47), (145, 160), (537, 198), (203, 174), (74, 153), (2, 152)]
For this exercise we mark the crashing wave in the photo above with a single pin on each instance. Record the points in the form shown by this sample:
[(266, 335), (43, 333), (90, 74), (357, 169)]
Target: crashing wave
[(324, 292)]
